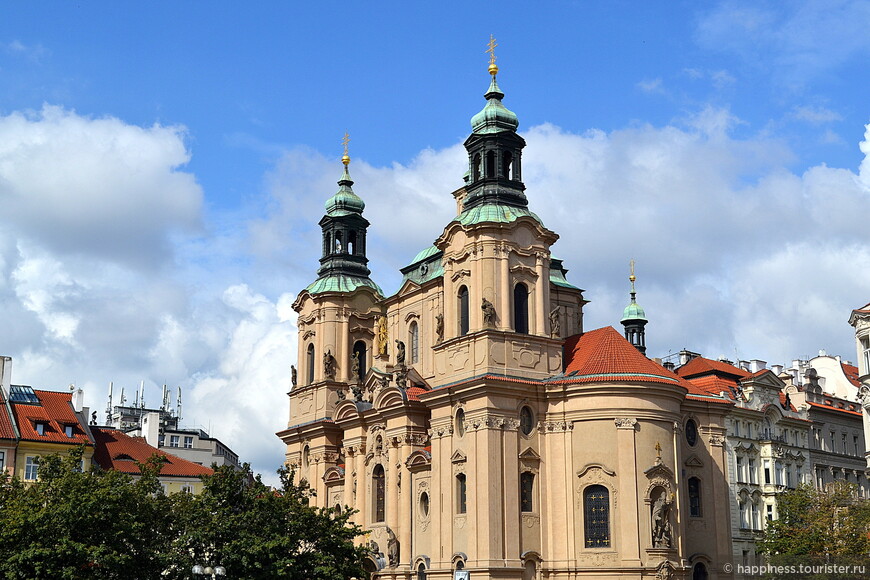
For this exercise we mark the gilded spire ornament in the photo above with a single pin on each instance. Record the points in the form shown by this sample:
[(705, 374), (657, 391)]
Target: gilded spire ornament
[(345, 158), (493, 68), (632, 277)]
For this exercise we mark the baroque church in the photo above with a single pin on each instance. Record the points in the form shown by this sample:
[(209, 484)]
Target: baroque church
[(479, 430)]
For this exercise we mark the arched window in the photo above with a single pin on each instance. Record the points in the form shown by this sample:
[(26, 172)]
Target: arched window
[(475, 167), (414, 342), (379, 488), (421, 572), (351, 243), (463, 311), (461, 497), (338, 244), (305, 457), (359, 348), (310, 364), (506, 161), (699, 572), (327, 243), (527, 487), (521, 309), (490, 163), (694, 497), (596, 516)]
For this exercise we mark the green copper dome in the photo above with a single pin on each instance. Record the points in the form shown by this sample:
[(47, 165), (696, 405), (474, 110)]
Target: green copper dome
[(633, 311), (345, 201), (495, 117)]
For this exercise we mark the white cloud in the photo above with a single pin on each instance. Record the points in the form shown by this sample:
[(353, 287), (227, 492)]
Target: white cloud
[(816, 115), (651, 85)]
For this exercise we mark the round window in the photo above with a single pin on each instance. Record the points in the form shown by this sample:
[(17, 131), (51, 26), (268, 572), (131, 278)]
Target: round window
[(460, 422), (691, 432), (424, 504), (527, 420)]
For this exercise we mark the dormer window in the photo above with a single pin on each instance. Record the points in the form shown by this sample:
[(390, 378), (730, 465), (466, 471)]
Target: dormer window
[(40, 427), (68, 430)]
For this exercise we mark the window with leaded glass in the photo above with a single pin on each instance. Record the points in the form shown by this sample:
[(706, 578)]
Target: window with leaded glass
[(694, 497), (596, 516), (527, 487), (461, 497), (463, 311), (380, 489), (414, 342)]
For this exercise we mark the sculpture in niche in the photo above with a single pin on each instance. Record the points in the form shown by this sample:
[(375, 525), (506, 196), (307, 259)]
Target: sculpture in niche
[(354, 367), (555, 323), (488, 312), (382, 338), (392, 548), (661, 512), (293, 375), (439, 328), (400, 353), (328, 365)]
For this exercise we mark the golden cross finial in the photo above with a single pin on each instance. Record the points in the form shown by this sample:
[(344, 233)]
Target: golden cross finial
[(658, 450), (346, 158), (493, 68), (632, 277)]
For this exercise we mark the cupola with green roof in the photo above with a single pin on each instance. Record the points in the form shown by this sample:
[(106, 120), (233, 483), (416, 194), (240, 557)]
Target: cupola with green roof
[(344, 266), (634, 318), (494, 151)]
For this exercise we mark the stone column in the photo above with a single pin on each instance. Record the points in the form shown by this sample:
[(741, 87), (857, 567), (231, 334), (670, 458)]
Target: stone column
[(343, 357), (361, 485), (629, 526), (504, 307), (393, 487), (542, 295), (406, 496)]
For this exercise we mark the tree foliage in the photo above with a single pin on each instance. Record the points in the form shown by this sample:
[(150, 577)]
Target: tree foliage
[(108, 525), (821, 524)]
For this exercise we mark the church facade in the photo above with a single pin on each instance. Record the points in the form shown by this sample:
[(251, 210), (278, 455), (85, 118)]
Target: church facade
[(477, 427)]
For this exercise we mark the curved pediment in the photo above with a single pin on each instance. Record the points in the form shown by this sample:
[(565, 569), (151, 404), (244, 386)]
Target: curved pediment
[(346, 409), (419, 460), (333, 475)]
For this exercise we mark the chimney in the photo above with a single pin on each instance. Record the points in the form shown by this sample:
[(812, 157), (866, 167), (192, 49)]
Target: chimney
[(756, 365), (5, 372), (151, 428), (777, 369), (78, 400), (668, 365)]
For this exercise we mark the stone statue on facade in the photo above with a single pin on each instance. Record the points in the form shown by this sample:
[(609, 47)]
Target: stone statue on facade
[(661, 521), (382, 338), (439, 328), (293, 375), (555, 323), (354, 367), (392, 549), (400, 353), (402, 379), (488, 312), (328, 365)]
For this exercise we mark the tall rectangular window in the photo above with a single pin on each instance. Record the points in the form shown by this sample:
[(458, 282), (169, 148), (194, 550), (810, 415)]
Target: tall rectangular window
[(173, 440), (766, 471), (2, 460), (461, 491), (188, 442), (739, 474), (527, 485), (753, 476), (31, 468), (694, 497), (414, 342), (596, 516), (464, 324), (68, 430), (380, 490)]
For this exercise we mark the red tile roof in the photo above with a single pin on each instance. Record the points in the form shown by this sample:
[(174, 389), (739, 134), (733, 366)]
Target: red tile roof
[(851, 372), (831, 407), (414, 393), (6, 429), (704, 366), (117, 450), (55, 411), (604, 355)]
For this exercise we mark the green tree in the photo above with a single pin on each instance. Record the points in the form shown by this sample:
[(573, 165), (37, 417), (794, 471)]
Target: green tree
[(823, 525), (76, 525), (256, 532)]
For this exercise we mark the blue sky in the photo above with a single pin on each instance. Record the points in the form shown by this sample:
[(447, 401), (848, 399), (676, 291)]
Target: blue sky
[(163, 166)]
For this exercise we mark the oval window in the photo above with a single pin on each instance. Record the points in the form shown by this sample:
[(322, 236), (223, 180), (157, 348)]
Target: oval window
[(424, 504), (460, 422), (527, 420), (691, 432)]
